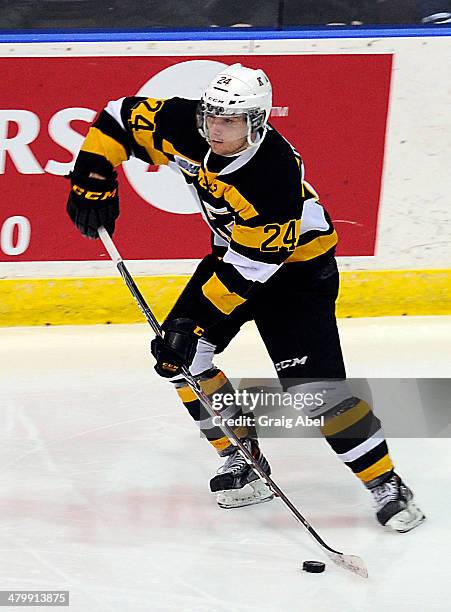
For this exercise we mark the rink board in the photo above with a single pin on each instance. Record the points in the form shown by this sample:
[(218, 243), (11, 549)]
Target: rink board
[(387, 189), (70, 301)]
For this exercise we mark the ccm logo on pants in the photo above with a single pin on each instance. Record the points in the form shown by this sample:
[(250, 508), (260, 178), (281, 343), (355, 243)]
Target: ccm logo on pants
[(289, 363)]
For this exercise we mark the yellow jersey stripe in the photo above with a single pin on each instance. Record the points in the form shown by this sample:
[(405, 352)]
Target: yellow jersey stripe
[(226, 301), (233, 197), (314, 248), (219, 189), (169, 148), (142, 123), (101, 144), (310, 189), (272, 234)]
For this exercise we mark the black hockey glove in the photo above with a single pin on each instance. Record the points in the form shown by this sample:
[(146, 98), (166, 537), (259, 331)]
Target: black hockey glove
[(177, 348), (93, 202)]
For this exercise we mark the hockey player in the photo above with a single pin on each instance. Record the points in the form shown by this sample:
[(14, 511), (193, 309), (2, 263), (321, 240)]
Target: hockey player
[(272, 261)]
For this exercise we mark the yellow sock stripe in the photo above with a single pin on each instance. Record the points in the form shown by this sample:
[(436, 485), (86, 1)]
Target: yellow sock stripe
[(209, 386), (186, 394), (222, 443), (225, 300), (345, 420), (377, 469)]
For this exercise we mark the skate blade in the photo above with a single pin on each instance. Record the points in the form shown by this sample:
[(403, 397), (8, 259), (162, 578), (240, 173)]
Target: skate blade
[(407, 519), (255, 492)]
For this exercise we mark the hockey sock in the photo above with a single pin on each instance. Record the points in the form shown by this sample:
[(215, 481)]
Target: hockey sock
[(216, 385), (356, 436)]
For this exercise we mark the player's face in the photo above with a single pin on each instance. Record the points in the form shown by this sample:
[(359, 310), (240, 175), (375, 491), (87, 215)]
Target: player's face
[(227, 134)]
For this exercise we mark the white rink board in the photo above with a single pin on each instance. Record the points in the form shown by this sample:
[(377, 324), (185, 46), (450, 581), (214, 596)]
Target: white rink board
[(414, 218)]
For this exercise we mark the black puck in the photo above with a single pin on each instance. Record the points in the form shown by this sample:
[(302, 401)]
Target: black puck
[(314, 567)]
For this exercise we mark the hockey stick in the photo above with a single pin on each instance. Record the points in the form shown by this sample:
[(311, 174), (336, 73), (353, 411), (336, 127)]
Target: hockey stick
[(351, 562)]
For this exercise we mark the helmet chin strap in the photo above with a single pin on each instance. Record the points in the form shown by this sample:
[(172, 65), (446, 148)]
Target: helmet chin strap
[(260, 136)]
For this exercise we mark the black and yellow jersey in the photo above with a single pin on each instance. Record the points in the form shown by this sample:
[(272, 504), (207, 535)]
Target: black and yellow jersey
[(257, 203)]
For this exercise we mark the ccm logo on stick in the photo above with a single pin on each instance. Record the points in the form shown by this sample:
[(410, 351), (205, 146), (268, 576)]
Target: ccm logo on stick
[(289, 363)]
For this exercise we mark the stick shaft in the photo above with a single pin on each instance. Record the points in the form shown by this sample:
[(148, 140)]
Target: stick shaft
[(117, 259)]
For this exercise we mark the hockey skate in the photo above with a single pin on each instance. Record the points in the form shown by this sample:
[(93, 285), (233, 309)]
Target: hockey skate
[(236, 484), (394, 503)]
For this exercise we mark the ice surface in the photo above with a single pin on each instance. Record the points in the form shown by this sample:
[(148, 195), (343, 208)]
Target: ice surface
[(104, 484)]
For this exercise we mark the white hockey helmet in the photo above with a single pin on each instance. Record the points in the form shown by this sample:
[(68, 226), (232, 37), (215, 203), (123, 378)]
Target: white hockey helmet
[(237, 90)]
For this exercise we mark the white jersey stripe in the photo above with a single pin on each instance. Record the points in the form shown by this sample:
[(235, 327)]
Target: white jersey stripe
[(113, 108), (313, 217), (250, 269)]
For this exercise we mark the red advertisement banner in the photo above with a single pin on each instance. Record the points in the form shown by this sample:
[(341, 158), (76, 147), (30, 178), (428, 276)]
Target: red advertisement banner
[(332, 108)]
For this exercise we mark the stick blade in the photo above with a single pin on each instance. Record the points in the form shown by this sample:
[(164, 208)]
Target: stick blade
[(350, 562)]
